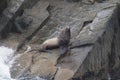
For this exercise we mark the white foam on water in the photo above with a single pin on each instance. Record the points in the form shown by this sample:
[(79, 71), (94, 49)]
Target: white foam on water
[(6, 61), (5, 57)]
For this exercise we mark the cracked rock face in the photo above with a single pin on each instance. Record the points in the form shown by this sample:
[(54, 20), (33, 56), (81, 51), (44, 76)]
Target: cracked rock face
[(94, 45), (3, 5)]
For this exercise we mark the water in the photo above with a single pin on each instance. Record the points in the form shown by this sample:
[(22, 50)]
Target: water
[(6, 61), (5, 56)]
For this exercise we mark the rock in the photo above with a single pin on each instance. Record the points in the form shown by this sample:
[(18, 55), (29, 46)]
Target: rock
[(3, 5), (21, 24), (94, 41), (39, 16), (96, 67), (8, 15), (73, 0), (62, 74)]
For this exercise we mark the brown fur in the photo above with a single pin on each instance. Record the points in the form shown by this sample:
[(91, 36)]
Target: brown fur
[(64, 37), (61, 41), (49, 44)]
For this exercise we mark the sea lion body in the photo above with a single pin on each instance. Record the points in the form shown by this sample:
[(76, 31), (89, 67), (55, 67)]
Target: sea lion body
[(61, 42), (49, 44)]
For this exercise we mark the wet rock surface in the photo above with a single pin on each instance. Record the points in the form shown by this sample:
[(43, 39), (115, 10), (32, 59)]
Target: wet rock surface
[(94, 45)]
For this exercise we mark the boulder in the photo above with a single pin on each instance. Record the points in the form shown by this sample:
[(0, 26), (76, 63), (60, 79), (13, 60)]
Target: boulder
[(3, 5), (94, 47)]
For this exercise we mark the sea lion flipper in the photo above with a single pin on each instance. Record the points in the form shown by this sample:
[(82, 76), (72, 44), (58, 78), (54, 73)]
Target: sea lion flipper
[(45, 51), (63, 49)]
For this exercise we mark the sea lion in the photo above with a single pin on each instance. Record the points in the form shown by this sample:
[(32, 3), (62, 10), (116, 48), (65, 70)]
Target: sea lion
[(61, 42), (64, 39)]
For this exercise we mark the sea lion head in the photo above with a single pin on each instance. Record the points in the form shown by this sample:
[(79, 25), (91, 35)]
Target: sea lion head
[(64, 39), (64, 36)]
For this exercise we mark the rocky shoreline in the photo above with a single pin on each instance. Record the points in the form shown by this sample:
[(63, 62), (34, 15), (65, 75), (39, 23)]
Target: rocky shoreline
[(96, 23)]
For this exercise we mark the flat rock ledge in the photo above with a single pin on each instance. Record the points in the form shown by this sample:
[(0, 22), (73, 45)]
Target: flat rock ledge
[(95, 32)]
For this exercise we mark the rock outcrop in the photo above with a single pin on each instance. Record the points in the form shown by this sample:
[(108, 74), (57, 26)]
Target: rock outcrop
[(94, 53), (3, 5), (104, 28)]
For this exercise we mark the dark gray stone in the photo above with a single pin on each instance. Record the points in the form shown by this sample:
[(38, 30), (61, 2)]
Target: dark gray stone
[(3, 5), (73, 0), (8, 15), (103, 57)]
